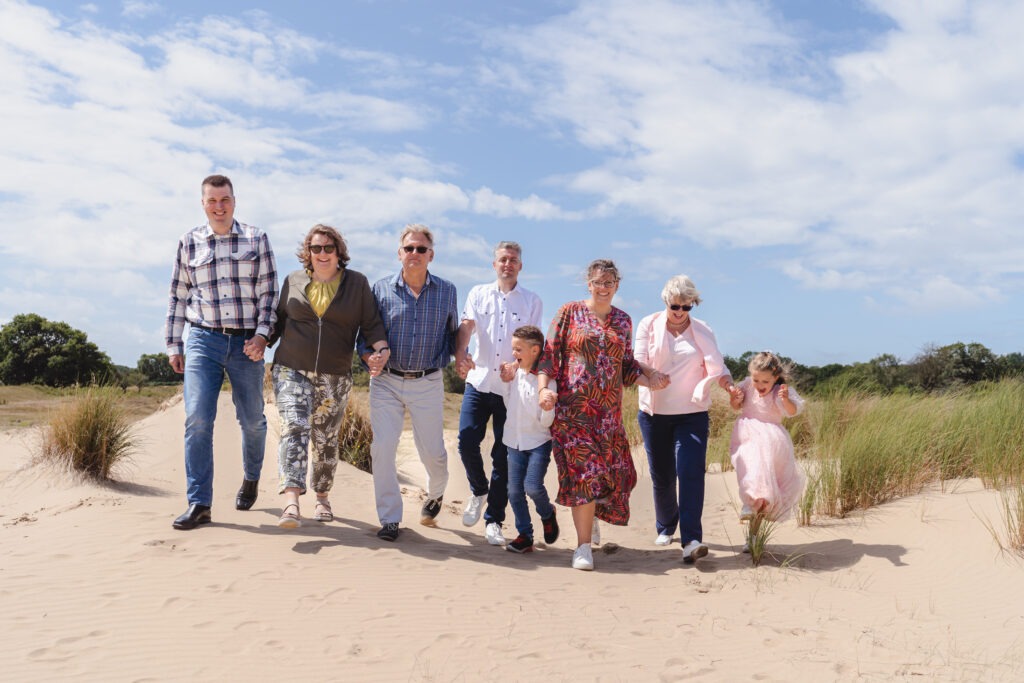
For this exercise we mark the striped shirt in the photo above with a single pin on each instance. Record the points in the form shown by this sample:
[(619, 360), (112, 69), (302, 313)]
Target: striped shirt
[(222, 281), (420, 330)]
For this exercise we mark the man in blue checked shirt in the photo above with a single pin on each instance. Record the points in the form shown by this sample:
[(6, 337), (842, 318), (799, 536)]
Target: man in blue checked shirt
[(224, 285), (420, 321)]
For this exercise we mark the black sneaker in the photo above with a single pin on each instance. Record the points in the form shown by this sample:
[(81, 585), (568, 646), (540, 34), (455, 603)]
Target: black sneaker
[(430, 510), (389, 532), (550, 529), (522, 544)]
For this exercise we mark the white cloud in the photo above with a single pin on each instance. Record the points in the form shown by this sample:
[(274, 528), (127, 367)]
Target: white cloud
[(139, 8), (888, 164)]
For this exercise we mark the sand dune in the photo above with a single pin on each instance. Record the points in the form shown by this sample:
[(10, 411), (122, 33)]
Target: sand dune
[(96, 585)]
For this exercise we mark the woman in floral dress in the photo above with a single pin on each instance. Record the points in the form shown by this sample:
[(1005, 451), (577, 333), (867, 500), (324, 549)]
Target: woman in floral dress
[(589, 354)]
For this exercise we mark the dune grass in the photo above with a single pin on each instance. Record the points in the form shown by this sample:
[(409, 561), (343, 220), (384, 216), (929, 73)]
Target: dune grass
[(89, 435), (356, 436), (866, 450)]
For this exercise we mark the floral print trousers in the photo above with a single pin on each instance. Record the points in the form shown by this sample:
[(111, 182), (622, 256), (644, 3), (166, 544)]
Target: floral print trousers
[(311, 406)]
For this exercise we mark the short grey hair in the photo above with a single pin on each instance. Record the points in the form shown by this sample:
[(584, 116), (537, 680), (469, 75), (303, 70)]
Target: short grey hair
[(680, 287), (511, 246), (417, 228)]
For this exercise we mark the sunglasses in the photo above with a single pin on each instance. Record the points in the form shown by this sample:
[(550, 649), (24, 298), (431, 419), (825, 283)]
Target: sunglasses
[(326, 248), (419, 250), (681, 307)]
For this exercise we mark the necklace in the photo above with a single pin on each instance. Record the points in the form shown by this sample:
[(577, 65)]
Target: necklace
[(677, 329)]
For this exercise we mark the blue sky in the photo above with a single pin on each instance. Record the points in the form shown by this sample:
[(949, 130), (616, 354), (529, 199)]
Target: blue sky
[(840, 179)]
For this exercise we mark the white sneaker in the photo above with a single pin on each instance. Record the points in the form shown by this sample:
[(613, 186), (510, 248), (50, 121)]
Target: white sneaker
[(746, 514), (693, 551), (746, 546), (474, 506), (583, 558), (595, 534), (493, 534), (663, 539)]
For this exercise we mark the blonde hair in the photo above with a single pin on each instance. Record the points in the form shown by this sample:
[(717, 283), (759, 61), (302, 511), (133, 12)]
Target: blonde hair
[(767, 361)]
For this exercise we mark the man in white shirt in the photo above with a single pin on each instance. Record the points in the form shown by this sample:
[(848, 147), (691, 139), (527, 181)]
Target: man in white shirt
[(493, 311)]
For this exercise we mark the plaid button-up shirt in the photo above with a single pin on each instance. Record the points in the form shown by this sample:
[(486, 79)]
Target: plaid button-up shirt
[(420, 330), (222, 281)]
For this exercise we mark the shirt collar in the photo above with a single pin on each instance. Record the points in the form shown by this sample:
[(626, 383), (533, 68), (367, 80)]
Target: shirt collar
[(236, 229)]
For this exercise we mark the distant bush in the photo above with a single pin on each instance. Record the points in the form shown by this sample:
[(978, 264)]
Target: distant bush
[(453, 384), (34, 350), (90, 435)]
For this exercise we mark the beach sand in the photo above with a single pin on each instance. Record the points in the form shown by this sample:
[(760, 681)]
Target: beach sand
[(96, 585)]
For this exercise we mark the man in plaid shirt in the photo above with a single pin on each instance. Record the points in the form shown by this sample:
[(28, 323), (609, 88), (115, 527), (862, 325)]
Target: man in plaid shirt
[(224, 285)]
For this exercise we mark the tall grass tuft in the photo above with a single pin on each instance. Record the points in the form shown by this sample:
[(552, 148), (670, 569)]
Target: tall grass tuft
[(1013, 517), (355, 437), (89, 435), (759, 532)]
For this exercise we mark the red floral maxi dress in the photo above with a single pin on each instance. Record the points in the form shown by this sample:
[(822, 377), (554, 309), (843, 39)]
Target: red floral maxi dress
[(591, 361)]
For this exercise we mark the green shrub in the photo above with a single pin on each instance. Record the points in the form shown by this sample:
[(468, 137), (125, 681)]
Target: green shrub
[(90, 435)]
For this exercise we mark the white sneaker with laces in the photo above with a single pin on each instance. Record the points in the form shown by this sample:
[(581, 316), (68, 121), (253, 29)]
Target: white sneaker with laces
[(663, 539), (583, 558), (493, 534), (693, 551), (746, 514), (595, 534), (474, 507)]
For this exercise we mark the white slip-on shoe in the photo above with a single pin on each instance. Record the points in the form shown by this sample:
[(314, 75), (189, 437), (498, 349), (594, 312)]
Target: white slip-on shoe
[(663, 539), (693, 551), (746, 514), (493, 534), (595, 534), (583, 558), (474, 507)]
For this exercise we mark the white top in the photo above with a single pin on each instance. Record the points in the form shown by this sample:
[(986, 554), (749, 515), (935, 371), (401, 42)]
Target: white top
[(526, 425), (684, 364), (497, 315)]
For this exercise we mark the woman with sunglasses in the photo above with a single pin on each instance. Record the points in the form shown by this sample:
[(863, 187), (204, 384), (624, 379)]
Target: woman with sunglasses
[(323, 306), (674, 421)]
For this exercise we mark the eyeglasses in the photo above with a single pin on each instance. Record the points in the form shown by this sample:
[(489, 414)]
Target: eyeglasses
[(604, 284), (681, 307), (326, 248), (419, 250)]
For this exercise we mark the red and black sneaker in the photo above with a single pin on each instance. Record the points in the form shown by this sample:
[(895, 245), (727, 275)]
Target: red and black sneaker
[(550, 529), (522, 544)]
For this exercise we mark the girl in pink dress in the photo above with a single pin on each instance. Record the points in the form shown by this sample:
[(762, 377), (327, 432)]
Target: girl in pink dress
[(770, 483)]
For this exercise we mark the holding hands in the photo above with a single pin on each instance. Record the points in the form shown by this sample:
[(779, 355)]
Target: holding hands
[(377, 360), (508, 370), (254, 347), (658, 380), (547, 399), (464, 364), (736, 396)]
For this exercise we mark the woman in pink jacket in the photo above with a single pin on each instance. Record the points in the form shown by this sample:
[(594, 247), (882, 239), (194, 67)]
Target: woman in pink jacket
[(674, 421)]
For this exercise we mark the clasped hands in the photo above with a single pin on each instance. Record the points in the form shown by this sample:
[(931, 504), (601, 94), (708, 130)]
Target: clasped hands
[(254, 347), (377, 360)]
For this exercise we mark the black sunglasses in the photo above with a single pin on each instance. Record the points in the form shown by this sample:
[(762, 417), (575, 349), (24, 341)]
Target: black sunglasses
[(419, 250), (681, 307), (326, 248)]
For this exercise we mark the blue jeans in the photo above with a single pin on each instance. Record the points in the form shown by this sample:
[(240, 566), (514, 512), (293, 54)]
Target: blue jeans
[(477, 408), (677, 447), (526, 470), (208, 355)]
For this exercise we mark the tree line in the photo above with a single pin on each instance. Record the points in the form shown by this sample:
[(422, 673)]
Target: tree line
[(34, 350)]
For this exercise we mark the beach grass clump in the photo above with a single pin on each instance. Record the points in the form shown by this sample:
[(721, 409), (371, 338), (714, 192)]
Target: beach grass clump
[(721, 418), (759, 533), (1013, 517), (89, 435), (355, 436), (996, 414)]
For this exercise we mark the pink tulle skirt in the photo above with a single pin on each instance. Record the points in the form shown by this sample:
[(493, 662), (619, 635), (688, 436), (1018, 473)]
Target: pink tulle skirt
[(762, 454)]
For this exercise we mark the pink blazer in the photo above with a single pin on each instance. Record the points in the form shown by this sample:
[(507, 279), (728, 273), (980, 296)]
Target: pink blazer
[(651, 349)]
